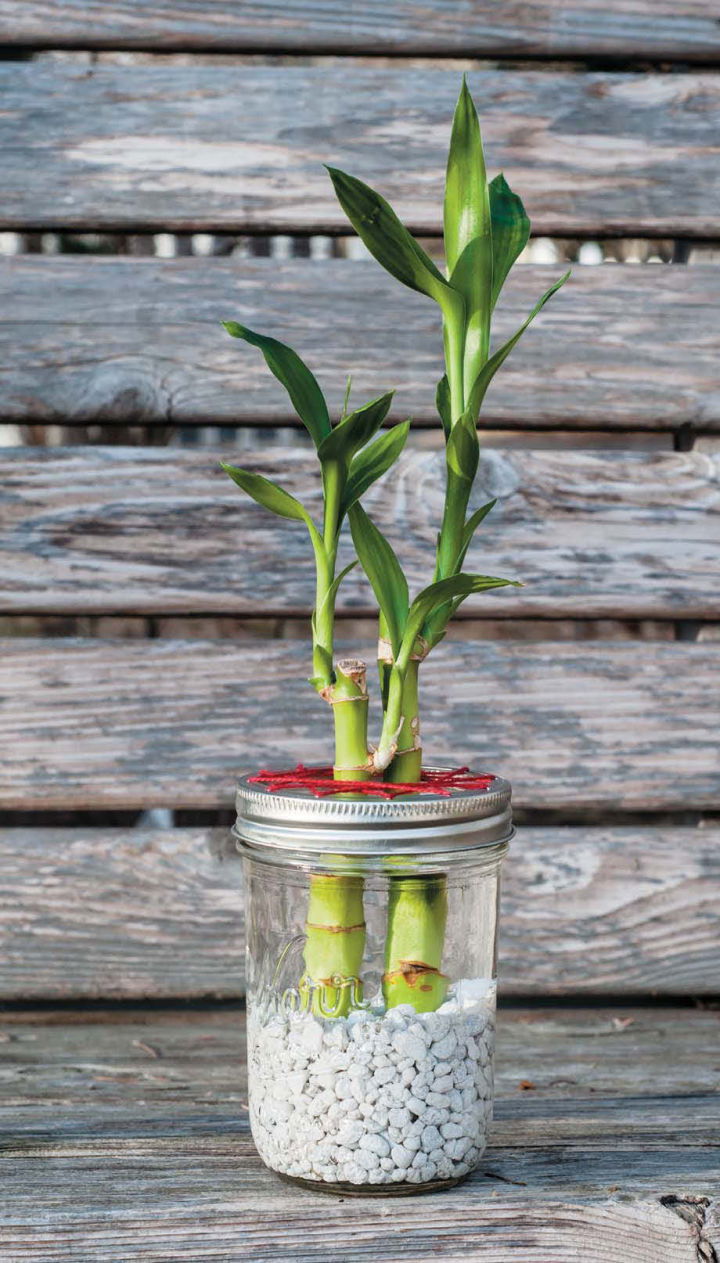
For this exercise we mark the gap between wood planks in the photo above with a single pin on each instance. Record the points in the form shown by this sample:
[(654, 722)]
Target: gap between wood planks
[(294, 626), (73, 1011), (89, 50)]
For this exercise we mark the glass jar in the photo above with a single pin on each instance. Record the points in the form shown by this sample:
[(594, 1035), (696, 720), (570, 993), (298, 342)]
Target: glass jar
[(371, 967)]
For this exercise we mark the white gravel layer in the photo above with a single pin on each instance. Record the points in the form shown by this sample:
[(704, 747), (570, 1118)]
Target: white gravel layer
[(375, 1098)]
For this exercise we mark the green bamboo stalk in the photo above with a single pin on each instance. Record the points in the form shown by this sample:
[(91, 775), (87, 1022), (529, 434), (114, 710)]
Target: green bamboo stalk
[(349, 700), (335, 926), (417, 906), (406, 766), (334, 945), (417, 915)]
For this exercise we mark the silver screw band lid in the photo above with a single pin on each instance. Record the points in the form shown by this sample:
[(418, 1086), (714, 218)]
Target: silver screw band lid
[(362, 825)]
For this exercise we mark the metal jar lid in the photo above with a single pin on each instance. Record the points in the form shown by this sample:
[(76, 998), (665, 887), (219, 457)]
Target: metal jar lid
[(294, 823)]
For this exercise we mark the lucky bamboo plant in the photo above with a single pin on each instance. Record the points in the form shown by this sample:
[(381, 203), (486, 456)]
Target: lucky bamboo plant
[(485, 230)]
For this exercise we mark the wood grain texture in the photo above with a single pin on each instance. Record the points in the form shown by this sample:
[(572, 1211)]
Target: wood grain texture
[(132, 341), (131, 1140), (220, 146), (135, 914), (596, 726), (616, 1051), (581, 28), (105, 530)]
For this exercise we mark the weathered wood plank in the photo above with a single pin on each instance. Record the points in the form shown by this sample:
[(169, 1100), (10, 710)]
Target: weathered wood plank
[(612, 1051), (219, 1213), (119, 1152), (219, 146), (121, 914), (138, 341), (584, 28), (171, 723), (104, 530)]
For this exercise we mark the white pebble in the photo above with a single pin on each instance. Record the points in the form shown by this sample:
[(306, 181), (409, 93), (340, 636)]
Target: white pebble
[(443, 1084), (311, 1037), (401, 1156), (401, 1010), (451, 1131), (384, 1074), (420, 1032), (431, 1139), (445, 1047), (350, 1132), (294, 1083), (375, 1144), (409, 1046), (399, 1117), (415, 1105)]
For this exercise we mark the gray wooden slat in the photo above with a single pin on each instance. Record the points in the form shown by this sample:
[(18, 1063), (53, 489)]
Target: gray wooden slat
[(104, 530), (135, 915), (220, 146), (585, 28), (617, 1050), (135, 1144), (139, 340), (593, 725)]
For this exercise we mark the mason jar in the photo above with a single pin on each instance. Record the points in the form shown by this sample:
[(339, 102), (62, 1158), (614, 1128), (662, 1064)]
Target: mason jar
[(371, 982)]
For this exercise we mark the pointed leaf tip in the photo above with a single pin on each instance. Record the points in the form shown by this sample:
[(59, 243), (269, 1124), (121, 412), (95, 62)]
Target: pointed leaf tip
[(299, 382), (389, 241), (267, 493), (449, 593), (510, 230)]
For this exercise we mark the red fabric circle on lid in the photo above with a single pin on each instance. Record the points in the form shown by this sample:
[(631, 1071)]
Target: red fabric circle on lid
[(319, 782)]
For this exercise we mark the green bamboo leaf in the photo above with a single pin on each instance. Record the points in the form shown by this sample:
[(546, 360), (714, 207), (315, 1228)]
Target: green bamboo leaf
[(488, 371), (466, 211), (384, 573), (376, 223), (305, 394), (355, 430), (463, 448), (267, 493), (467, 230), (471, 526), (442, 403), (373, 462), (455, 588), (510, 231), (322, 659)]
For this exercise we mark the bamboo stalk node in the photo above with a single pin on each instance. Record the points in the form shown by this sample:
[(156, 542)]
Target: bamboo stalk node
[(385, 653), (334, 929), (382, 758), (415, 973), (355, 669)]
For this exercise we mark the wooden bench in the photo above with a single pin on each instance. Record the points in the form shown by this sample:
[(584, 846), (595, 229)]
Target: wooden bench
[(136, 615)]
